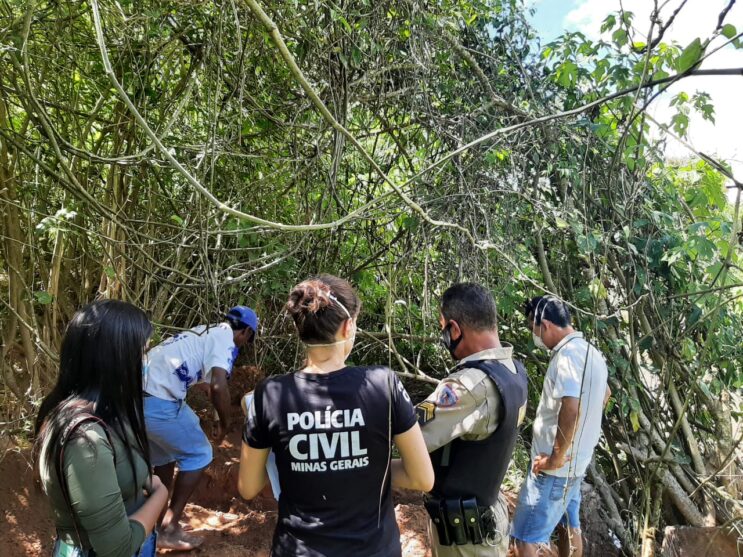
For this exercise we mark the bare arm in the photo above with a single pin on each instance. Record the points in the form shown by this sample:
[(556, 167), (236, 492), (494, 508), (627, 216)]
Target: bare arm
[(253, 476), (567, 423), (414, 469), (220, 395), (149, 513), (607, 395)]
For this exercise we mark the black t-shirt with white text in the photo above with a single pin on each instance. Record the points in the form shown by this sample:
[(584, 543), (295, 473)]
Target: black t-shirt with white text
[(332, 434)]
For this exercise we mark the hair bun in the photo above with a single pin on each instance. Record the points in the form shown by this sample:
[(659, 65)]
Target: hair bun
[(308, 297)]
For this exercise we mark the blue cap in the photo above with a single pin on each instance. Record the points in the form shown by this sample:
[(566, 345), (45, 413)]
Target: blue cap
[(244, 316)]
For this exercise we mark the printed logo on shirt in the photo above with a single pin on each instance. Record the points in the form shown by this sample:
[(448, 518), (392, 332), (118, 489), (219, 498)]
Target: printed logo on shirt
[(182, 373), (313, 450), (233, 352)]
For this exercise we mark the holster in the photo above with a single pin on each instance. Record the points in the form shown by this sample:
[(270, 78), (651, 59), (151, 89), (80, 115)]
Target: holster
[(459, 521), (455, 521), (473, 520), (435, 509)]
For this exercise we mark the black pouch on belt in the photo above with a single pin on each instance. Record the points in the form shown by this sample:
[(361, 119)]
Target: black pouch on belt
[(472, 520), (435, 509), (455, 521)]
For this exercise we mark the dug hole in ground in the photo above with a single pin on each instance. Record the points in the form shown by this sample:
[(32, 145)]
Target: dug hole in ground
[(230, 526)]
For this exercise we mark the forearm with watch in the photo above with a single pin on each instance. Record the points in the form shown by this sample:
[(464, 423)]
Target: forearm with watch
[(567, 423)]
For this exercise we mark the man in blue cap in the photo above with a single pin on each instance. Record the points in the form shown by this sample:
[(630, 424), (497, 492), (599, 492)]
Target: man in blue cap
[(204, 354)]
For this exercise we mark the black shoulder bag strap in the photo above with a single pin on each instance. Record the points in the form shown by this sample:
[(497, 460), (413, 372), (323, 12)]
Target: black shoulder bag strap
[(75, 423)]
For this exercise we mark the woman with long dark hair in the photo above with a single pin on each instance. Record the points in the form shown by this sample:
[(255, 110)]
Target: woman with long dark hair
[(331, 427), (91, 446)]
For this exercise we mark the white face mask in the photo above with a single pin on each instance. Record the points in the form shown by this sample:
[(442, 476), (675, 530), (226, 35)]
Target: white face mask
[(351, 340), (538, 342)]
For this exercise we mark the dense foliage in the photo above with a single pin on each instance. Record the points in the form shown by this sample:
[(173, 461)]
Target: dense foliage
[(230, 152)]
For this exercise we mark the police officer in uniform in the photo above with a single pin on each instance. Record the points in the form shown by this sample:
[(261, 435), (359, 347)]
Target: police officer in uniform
[(470, 424)]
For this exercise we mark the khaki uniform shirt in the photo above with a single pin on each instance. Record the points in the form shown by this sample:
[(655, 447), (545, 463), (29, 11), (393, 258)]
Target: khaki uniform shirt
[(466, 404)]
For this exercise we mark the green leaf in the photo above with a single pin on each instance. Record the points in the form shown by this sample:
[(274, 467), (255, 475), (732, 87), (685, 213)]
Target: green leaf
[(356, 57), (176, 219), (619, 37), (690, 56), (680, 123), (608, 23), (634, 418), (410, 222), (729, 31), (704, 388), (597, 289), (660, 74), (688, 349), (567, 74), (561, 223), (345, 23), (43, 297)]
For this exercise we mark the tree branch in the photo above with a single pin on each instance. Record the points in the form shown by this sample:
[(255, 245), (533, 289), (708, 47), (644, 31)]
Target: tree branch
[(220, 205)]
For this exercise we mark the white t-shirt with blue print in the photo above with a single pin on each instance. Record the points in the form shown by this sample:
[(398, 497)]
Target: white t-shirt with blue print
[(188, 358)]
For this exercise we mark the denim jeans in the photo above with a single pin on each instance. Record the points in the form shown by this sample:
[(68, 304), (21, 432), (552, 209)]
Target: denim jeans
[(62, 549), (544, 502)]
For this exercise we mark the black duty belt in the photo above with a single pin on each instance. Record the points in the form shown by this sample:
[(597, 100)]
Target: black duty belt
[(463, 521)]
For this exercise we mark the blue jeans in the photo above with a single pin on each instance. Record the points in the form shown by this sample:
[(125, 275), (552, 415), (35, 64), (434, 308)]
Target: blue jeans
[(62, 549), (544, 502)]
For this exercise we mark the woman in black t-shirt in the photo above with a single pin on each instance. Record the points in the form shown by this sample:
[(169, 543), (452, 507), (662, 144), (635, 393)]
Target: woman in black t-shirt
[(331, 428)]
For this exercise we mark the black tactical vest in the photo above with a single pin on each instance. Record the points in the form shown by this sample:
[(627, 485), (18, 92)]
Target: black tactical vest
[(466, 469)]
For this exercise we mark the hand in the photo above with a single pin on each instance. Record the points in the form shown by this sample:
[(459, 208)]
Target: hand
[(218, 432), (547, 462), (154, 484)]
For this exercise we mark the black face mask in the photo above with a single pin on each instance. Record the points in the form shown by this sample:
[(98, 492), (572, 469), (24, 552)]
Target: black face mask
[(449, 344)]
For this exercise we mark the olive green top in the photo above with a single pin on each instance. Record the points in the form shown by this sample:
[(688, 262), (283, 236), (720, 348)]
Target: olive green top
[(103, 493)]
